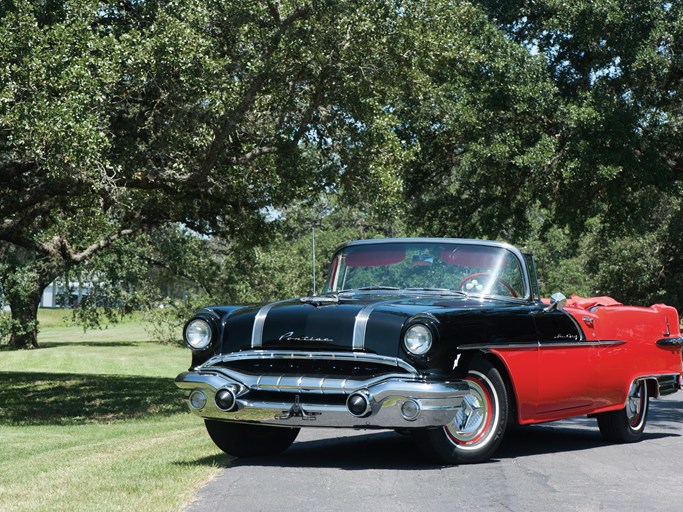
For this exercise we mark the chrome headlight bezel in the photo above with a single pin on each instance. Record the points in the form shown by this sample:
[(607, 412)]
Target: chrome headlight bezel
[(418, 339), (198, 334)]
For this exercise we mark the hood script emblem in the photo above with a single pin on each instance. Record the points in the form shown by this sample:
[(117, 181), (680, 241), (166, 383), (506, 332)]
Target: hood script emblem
[(289, 336)]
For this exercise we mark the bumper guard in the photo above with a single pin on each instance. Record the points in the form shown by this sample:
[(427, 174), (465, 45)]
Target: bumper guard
[(389, 401)]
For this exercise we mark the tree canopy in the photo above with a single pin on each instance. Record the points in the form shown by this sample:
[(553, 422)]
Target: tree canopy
[(548, 124), (616, 174), (119, 117)]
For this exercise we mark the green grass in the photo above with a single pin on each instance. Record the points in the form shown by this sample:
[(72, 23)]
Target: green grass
[(62, 318), (94, 422)]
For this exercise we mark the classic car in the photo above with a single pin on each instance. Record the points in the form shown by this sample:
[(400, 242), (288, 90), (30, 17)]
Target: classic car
[(448, 340)]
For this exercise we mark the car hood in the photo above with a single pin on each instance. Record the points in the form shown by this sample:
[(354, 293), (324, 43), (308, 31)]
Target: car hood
[(362, 322)]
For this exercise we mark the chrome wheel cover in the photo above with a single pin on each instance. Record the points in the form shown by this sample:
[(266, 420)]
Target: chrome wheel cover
[(636, 404), (476, 418)]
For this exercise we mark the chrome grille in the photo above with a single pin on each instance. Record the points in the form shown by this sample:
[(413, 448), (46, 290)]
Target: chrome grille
[(307, 372), (311, 368)]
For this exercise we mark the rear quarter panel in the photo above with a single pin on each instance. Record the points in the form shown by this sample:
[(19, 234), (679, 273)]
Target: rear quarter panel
[(639, 356)]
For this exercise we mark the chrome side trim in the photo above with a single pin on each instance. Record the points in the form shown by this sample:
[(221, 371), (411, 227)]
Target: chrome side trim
[(327, 356), (488, 346), (575, 344), (542, 344)]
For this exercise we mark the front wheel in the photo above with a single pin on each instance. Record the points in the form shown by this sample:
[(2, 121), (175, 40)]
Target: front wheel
[(246, 440), (479, 424), (627, 425)]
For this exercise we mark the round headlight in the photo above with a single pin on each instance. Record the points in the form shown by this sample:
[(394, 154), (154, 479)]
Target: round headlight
[(418, 339), (198, 334)]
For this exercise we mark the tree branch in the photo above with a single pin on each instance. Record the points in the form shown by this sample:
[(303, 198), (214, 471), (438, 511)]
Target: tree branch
[(12, 228), (176, 272), (63, 248), (237, 115), (274, 9), (308, 114), (229, 123), (14, 168), (252, 155)]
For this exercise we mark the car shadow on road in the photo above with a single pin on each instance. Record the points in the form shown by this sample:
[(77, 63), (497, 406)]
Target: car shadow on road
[(374, 450), (557, 438), (390, 450)]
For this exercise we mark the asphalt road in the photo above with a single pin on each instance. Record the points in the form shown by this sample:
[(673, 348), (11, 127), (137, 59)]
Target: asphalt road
[(560, 466)]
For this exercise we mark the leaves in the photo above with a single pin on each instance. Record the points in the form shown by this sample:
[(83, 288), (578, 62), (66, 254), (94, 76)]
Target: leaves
[(437, 118)]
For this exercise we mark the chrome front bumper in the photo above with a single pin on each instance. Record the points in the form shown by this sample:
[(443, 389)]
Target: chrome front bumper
[(391, 401)]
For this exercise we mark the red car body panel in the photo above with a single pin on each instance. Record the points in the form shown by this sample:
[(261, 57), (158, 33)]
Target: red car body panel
[(552, 383)]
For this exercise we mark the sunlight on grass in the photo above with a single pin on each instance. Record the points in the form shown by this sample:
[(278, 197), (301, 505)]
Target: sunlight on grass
[(155, 464), (118, 358), (68, 349), (96, 419), (63, 318)]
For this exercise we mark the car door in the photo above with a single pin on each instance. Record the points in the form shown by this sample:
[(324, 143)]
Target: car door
[(568, 366)]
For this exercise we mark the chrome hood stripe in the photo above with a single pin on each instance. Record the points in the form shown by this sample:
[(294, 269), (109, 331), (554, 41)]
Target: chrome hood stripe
[(259, 322), (359, 326)]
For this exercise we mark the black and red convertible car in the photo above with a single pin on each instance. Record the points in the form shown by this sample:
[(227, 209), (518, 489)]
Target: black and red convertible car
[(446, 339)]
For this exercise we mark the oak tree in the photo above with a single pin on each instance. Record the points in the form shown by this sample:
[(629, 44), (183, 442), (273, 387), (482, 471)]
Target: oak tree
[(117, 117)]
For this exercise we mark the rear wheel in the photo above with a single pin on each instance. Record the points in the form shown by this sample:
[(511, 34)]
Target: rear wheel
[(627, 425), (479, 424), (246, 440)]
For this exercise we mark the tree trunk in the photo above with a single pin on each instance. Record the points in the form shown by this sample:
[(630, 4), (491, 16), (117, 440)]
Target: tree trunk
[(24, 308)]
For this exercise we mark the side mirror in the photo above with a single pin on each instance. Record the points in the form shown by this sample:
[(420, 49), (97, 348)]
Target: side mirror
[(557, 302)]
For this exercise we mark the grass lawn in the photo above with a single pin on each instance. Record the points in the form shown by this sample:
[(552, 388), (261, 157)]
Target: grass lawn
[(94, 422)]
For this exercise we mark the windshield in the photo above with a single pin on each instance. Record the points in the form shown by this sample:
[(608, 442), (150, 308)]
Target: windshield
[(470, 268)]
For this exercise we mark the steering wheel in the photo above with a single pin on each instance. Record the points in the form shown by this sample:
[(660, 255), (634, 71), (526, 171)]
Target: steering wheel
[(478, 286)]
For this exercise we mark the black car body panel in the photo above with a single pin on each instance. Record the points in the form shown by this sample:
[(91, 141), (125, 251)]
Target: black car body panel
[(459, 322)]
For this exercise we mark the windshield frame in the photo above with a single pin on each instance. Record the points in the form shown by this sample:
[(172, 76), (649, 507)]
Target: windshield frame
[(520, 259)]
